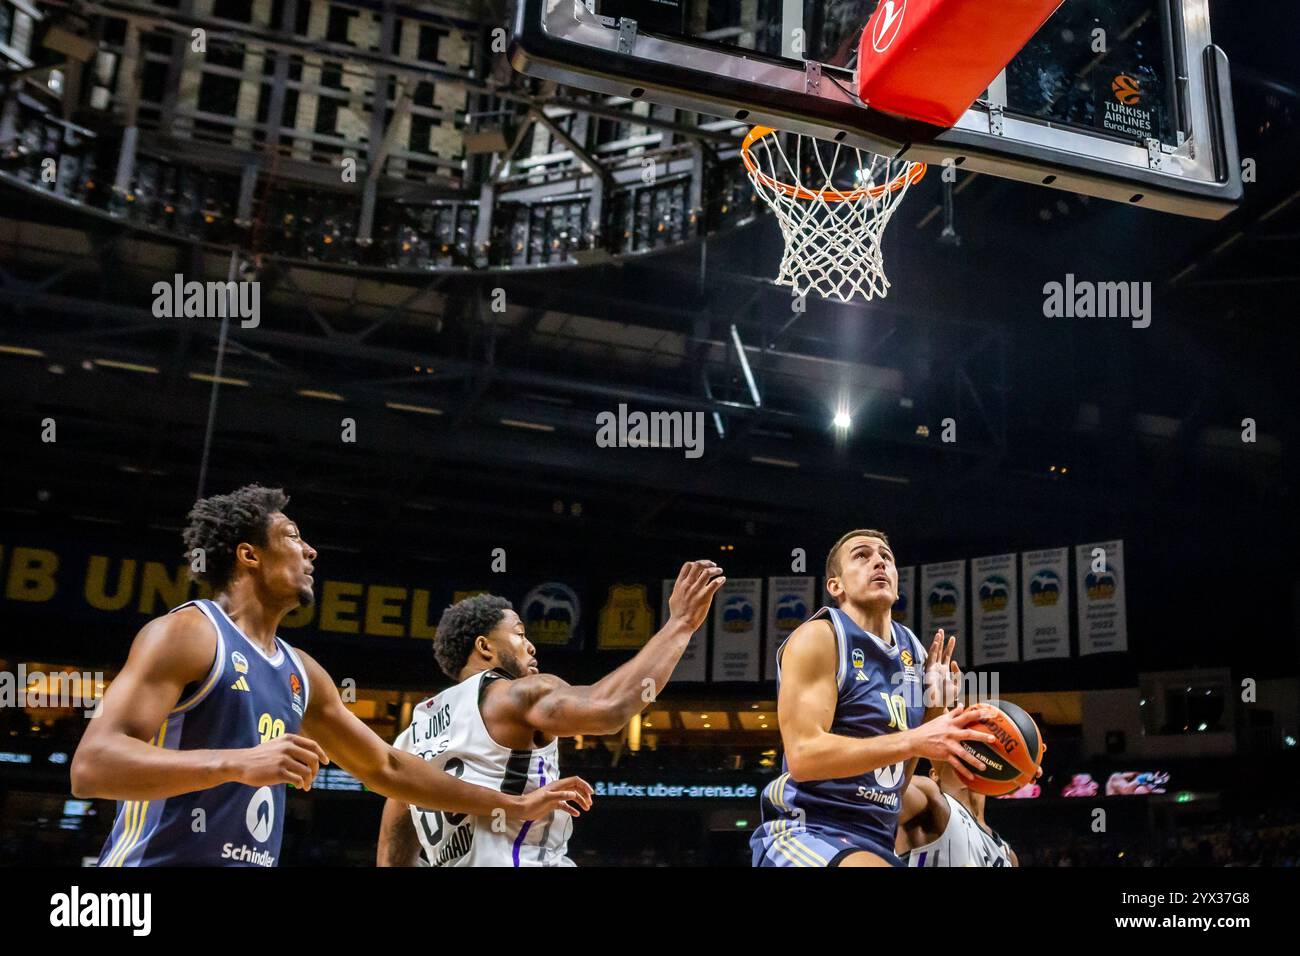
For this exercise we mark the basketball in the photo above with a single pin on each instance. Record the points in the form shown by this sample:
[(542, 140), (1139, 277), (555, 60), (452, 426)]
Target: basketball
[(1010, 763)]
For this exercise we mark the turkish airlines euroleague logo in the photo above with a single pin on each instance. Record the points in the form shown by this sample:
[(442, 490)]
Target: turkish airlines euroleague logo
[(1126, 90), (889, 20)]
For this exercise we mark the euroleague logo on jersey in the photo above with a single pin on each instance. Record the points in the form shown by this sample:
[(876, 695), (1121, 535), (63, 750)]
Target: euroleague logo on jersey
[(295, 686), (889, 21)]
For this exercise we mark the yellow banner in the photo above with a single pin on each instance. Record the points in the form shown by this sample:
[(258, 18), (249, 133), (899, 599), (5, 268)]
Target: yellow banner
[(626, 621)]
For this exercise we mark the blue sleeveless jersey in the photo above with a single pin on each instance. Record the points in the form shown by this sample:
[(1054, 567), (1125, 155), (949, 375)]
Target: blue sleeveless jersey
[(247, 698), (880, 692)]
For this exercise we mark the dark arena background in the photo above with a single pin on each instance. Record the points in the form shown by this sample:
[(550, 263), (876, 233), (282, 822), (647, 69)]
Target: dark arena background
[(457, 276)]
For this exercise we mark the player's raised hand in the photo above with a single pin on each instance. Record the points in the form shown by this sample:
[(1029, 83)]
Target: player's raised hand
[(292, 759), (693, 592), (942, 673), (941, 739), (561, 795)]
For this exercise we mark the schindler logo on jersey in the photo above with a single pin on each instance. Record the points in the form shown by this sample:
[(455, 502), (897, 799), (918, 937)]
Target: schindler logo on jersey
[(260, 819), (75, 909)]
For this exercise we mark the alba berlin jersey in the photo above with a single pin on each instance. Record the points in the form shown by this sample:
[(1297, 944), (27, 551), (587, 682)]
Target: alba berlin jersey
[(963, 843), (448, 731)]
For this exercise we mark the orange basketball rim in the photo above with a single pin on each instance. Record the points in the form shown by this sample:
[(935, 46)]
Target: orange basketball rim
[(910, 175)]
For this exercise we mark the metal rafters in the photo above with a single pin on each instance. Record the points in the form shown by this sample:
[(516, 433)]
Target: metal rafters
[(220, 31), (345, 347)]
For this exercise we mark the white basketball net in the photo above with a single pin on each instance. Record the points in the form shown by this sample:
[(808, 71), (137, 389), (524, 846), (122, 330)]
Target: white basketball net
[(832, 233)]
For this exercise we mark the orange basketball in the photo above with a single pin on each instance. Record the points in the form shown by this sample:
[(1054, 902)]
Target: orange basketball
[(1126, 90), (1010, 763)]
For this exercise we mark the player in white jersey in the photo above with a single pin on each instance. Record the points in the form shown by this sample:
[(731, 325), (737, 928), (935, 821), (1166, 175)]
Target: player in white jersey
[(942, 824), (499, 726)]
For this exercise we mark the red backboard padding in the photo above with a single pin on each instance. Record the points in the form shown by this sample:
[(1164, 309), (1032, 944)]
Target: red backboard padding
[(930, 59)]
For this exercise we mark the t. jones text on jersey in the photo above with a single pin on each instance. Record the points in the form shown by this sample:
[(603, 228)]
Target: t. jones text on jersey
[(437, 725)]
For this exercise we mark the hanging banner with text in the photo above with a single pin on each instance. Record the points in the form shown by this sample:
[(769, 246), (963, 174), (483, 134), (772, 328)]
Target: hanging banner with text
[(904, 611), (1103, 618), (691, 666), (789, 604), (736, 631), (995, 621), (943, 604), (1045, 602)]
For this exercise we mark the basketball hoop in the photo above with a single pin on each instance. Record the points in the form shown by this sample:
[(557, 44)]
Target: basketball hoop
[(832, 231)]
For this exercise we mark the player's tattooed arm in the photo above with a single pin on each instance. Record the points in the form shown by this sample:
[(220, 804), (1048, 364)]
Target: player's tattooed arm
[(407, 778), (398, 843), (116, 761), (546, 703)]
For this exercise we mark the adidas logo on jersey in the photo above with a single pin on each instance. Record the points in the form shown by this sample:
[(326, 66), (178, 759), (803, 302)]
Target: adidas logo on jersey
[(241, 684), (861, 675)]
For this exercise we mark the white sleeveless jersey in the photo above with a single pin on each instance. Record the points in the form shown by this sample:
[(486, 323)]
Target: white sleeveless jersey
[(963, 843), (448, 731)]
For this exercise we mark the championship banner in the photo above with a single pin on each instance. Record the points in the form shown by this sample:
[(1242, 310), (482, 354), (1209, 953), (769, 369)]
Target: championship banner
[(1045, 603), (691, 666), (995, 622), (550, 614), (904, 610), (626, 619), (1103, 615), (736, 634), (943, 604), (789, 604)]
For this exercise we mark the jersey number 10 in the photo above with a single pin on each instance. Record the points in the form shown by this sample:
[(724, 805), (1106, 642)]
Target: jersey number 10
[(897, 708)]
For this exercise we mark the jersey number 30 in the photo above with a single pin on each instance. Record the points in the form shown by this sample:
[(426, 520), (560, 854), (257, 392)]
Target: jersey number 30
[(269, 729)]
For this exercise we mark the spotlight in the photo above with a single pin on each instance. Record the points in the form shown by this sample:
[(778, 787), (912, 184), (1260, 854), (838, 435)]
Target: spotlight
[(842, 421)]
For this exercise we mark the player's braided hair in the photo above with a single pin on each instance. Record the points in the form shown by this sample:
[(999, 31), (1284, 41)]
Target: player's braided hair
[(460, 624), (220, 523)]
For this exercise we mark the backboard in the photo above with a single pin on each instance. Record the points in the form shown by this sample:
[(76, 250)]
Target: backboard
[(1123, 99)]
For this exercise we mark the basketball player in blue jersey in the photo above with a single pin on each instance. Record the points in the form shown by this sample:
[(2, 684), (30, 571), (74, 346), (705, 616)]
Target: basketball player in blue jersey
[(213, 713), (500, 725), (856, 705)]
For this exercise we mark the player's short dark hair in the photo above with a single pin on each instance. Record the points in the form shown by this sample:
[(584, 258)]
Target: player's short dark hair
[(220, 523), (833, 566), (460, 624)]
